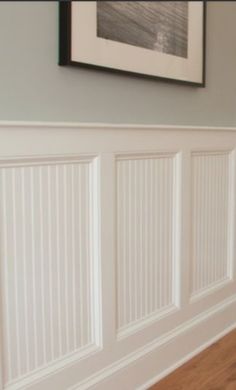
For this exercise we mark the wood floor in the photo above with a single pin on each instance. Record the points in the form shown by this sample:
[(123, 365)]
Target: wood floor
[(213, 369)]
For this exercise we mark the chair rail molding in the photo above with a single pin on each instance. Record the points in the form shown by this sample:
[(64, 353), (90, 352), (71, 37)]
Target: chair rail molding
[(117, 249)]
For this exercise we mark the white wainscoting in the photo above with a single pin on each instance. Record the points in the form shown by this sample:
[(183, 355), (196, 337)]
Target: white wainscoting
[(117, 251), (147, 191)]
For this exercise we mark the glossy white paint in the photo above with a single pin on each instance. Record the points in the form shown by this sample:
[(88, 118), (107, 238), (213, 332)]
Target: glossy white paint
[(116, 250)]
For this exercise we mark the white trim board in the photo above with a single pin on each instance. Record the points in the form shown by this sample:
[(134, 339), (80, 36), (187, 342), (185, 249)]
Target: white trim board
[(188, 357), (109, 126)]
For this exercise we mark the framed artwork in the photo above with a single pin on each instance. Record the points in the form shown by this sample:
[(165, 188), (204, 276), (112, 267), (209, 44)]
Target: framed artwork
[(156, 39)]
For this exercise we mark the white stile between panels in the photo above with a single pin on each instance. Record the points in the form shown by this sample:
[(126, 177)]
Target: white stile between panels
[(116, 248)]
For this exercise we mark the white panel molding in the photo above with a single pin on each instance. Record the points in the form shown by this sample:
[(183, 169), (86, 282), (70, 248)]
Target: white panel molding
[(34, 160), (213, 201), (148, 191), (134, 352), (141, 324), (209, 290), (231, 215), (48, 190), (36, 376)]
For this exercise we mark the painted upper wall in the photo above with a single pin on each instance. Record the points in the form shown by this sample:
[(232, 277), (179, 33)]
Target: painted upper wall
[(34, 87)]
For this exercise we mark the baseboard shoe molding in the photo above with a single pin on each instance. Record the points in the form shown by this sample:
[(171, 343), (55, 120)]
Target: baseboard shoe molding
[(192, 325)]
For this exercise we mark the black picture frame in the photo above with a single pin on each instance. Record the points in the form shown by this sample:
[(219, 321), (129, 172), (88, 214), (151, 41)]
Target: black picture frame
[(65, 45)]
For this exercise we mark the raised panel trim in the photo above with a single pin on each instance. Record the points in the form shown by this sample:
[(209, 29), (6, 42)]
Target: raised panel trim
[(228, 280), (142, 155), (95, 346), (176, 156), (41, 160), (210, 289), (129, 330), (52, 368)]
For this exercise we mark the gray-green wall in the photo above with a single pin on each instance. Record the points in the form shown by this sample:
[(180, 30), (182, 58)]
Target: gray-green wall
[(34, 87)]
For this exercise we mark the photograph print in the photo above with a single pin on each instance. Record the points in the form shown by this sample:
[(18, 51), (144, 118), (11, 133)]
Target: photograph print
[(157, 39), (154, 25)]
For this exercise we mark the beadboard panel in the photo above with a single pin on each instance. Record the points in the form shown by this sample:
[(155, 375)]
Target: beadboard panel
[(117, 251), (47, 262), (146, 199), (211, 212)]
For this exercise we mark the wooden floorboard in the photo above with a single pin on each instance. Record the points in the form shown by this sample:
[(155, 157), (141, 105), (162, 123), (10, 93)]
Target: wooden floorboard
[(212, 369)]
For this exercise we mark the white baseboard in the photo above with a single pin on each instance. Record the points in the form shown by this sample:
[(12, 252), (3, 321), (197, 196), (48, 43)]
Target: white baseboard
[(182, 344), (191, 355)]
